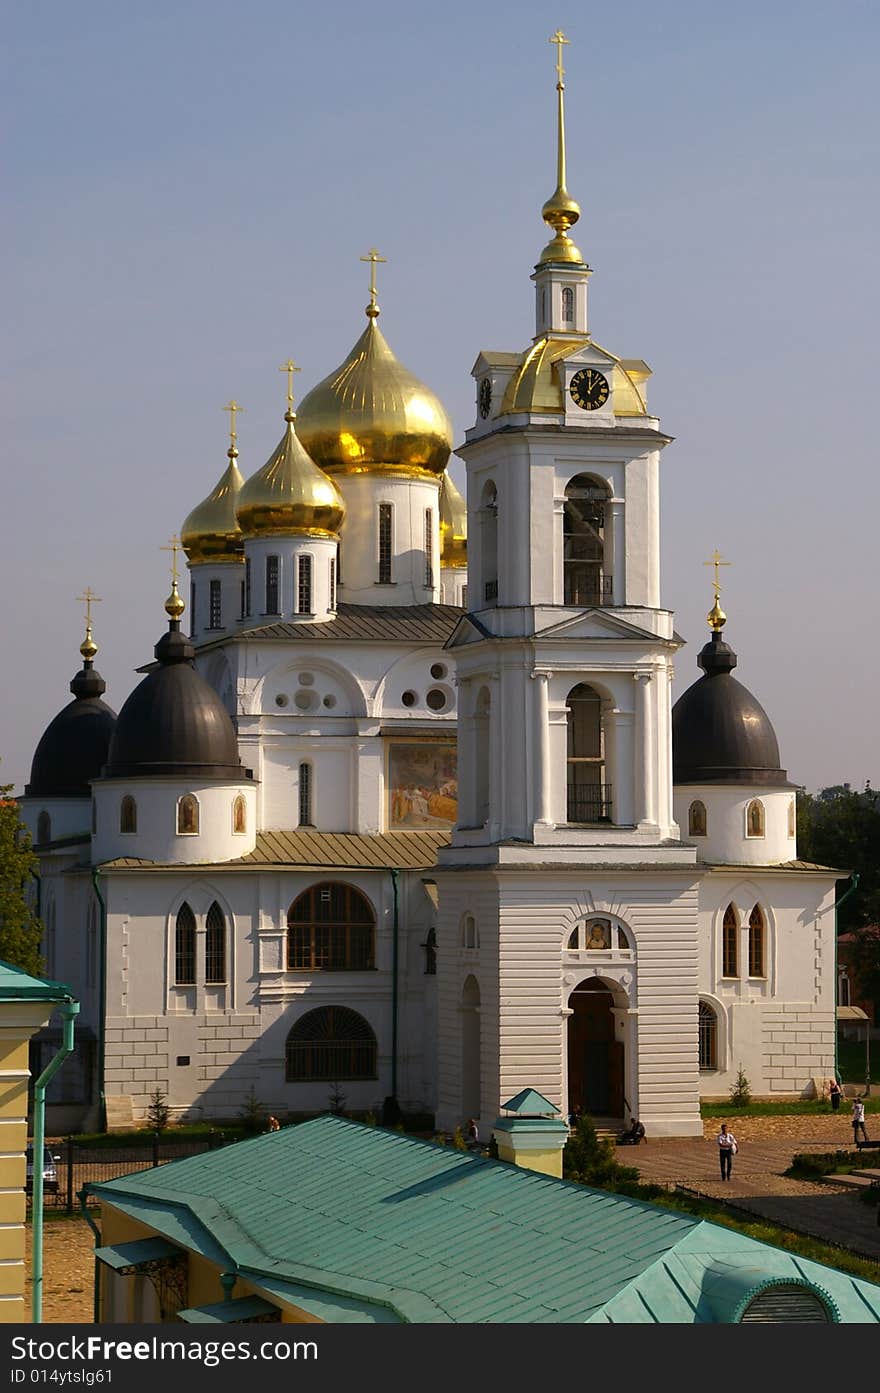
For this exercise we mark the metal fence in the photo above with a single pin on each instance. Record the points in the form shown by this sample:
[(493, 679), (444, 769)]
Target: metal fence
[(79, 1163)]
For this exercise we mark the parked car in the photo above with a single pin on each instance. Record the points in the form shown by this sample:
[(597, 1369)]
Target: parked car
[(50, 1172)]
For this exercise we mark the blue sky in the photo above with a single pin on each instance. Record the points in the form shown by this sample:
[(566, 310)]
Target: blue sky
[(192, 185)]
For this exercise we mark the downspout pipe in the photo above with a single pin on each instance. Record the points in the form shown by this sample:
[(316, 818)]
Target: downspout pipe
[(102, 999), (854, 885), (391, 1110), (69, 1013), (83, 1197)]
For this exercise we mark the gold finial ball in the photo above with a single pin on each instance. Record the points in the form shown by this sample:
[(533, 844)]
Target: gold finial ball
[(88, 648), (232, 452), (716, 617), (372, 311), (174, 605)]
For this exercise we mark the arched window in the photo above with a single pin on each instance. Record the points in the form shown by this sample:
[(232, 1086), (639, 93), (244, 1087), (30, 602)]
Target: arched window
[(792, 818), (697, 819), (598, 934), (239, 815), (583, 542), (482, 717), (730, 943), (305, 796), (589, 797), (331, 928), (430, 947), (757, 943), (330, 1045), (708, 1037), (272, 570), (44, 828), (489, 543), (128, 815), (185, 947), (385, 542), (215, 946), (470, 937), (567, 305), (755, 818), (188, 815)]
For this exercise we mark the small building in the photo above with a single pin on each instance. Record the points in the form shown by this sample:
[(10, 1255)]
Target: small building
[(333, 1221)]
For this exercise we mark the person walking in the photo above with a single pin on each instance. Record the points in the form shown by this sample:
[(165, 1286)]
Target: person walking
[(727, 1149), (858, 1120), (834, 1092)]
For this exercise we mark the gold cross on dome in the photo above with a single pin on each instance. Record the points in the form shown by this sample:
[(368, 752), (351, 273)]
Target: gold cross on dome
[(716, 562), (89, 598), (373, 257), (232, 406), (174, 547), (559, 39), (290, 368)]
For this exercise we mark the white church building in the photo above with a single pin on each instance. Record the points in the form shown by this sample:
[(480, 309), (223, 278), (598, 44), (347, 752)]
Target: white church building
[(403, 808)]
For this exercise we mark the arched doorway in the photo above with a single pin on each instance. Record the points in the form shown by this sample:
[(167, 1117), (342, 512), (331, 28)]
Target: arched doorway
[(595, 1057)]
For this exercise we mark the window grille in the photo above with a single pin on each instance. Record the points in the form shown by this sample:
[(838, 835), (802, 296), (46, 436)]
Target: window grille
[(730, 943), (304, 586), (568, 305), (332, 582), (331, 928), (330, 1044), (215, 617), (756, 943), (215, 946), (384, 543), (272, 585), (429, 548), (185, 947), (708, 1036), (305, 795)]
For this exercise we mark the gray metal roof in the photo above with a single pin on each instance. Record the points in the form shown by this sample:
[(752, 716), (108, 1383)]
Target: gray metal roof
[(363, 624)]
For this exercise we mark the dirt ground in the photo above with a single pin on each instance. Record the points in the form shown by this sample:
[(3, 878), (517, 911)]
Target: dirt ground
[(68, 1270)]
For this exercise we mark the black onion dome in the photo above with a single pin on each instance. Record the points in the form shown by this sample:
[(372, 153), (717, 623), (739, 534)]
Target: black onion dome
[(720, 733), (74, 746), (174, 722)]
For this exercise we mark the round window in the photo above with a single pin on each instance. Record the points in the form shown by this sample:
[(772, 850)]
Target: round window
[(409, 698), (307, 679), (330, 701), (281, 699), (436, 699), (437, 671), (305, 700)]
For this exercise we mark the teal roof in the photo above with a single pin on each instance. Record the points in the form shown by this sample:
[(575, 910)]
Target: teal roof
[(368, 1224), (16, 985), (528, 1103)]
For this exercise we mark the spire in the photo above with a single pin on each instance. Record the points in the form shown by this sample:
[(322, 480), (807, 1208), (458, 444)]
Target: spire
[(232, 407), (290, 368), (372, 310), (88, 648), (87, 682), (716, 616), (174, 605), (560, 212)]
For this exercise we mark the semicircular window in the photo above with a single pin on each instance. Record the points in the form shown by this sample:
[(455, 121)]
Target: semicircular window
[(787, 1303), (329, 1045), (331, 928)]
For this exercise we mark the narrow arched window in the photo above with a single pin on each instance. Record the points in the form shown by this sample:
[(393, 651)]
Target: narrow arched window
[(568, 305), (185, 947), (215, 605), (385, 543), (755, 818), (215, 946), (332, 604), (305, 796), (589, 797), (697, 819), (429, 548), (188, 815), (331, 928), (44, 828), (239, 815), (330, 1045), (470, 937), (583, 543), (304, 585), (489, 543), (430, 947), (708, 1028), (757, 943), (128, 815), (730, 943), (272, 585)]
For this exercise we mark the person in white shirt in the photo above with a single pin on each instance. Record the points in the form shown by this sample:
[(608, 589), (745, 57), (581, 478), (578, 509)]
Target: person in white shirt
[(472, 1136), (858, 1121), (726, 1150)]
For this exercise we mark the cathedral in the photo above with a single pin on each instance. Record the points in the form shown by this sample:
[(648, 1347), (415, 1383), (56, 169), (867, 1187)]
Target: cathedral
[(401, 814)]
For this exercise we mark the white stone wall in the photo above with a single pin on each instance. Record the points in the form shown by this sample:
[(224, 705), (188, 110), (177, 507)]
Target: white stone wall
[(288, 550), (68, 816), (359, 539), (230, 575), (157, 837), (727, 840)]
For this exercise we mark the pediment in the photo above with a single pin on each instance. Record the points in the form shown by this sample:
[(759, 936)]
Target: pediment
[(599, 624), (468, 630)]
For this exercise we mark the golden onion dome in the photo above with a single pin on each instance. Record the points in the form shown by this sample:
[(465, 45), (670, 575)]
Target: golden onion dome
[(372, 416), (211, 532), (290, 495), (453, 524)]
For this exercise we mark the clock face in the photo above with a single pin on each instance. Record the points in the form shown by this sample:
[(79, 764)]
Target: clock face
[(485, 396), (589, 389)]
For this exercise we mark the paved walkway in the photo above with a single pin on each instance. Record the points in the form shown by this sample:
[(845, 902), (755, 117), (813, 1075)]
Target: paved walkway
[(758, 1186)]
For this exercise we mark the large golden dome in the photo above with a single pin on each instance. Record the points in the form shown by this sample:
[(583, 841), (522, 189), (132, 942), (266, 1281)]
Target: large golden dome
[(372, 416), (290, 496), (453, 524), (211, 532)]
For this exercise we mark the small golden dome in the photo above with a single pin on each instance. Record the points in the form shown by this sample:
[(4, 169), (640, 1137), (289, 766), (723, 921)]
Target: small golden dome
[(371, 416), (716, 617), (88, 648), (174, 605), (453, 524), (290, 495), (211, 532)]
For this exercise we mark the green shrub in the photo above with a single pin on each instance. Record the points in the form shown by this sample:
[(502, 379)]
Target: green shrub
[(158, 1113), (591, 1160), (741, 1091)]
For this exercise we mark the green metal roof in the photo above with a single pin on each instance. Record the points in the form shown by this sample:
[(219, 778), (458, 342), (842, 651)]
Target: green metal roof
[(17, 985), (128, 1257), (236, 1312), (367, 1219), (529, 1103)]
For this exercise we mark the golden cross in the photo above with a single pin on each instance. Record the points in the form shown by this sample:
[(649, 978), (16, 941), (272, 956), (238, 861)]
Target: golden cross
[(232, 407), (559, 39), (716, 562), (174, 548), (290, 368), (373, 257), (89, 598)]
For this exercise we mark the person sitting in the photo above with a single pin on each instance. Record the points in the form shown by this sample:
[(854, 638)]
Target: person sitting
[(633, 1135)]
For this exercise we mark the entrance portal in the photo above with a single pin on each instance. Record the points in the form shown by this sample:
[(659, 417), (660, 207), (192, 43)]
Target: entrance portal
[(595, 1058)]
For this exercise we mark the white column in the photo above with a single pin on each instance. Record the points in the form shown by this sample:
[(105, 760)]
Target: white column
[(558, 552), (618, 551), (609, 712), (541, 767), (467, 755), (622, 790), (644, 770), (496, 759)]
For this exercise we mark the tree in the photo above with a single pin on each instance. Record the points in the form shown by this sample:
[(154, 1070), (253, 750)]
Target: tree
[(158, 1112), (841, 828), (20, 927), (591, 1160)]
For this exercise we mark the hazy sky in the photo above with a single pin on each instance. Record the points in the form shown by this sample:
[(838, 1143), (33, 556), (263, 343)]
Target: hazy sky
[(191, 187)]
